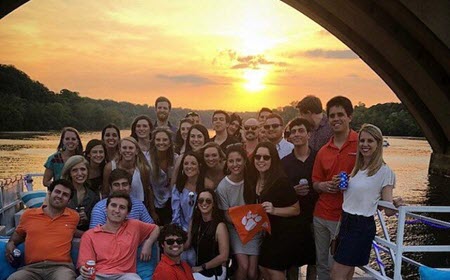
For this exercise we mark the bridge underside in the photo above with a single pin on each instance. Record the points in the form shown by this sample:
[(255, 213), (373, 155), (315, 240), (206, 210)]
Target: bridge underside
[(406, 42)]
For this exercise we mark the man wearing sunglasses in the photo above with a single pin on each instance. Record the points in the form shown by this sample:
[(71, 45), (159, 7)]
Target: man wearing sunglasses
[(251, 134), (171, 240), (114, 245), (274, 128)]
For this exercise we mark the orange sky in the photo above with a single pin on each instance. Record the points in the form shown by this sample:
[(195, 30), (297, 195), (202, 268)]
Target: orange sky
[(233, 55)]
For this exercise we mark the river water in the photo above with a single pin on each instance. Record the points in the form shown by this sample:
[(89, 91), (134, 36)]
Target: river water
[(22, 153)]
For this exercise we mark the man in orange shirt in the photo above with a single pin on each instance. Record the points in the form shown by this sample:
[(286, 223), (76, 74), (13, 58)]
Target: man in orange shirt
[(171, 240), (113, 246), (339, 154), (48, 233)]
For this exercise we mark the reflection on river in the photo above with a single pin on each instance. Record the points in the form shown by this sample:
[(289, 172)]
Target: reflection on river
[(26, 153)]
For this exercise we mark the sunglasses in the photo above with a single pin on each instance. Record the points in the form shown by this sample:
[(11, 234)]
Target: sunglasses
[(252, 127), (172, 241), (274, 126), (264, 157), (202, 200), (192, 114)]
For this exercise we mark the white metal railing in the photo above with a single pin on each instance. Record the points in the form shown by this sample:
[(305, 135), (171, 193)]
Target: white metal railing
[(396, 250)]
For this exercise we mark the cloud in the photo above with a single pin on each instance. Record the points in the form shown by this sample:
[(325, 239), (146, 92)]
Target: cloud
[(331, 54), (186, 79), (323, 33), (236, 61)]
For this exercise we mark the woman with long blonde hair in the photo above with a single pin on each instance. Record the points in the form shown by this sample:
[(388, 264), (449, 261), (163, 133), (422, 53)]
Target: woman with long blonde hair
[(134, 162), (76, 171), (370, 181)]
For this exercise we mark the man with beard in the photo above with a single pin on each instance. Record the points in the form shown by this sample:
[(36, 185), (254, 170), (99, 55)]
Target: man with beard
[(274, 129), (221, 121), (171, 266), (48, 233), (162, 108), (251, 133), (114, 245)]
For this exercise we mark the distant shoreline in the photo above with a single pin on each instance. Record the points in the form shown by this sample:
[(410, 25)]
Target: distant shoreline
[(32, 134)]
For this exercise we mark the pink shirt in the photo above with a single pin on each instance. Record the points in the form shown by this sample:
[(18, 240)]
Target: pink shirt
[(114, 252)]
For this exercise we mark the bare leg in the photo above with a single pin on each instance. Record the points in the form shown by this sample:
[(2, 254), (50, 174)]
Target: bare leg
[(341, 272)]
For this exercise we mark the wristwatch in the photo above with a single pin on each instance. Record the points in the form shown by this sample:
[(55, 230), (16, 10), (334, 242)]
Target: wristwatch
[(204, 266)]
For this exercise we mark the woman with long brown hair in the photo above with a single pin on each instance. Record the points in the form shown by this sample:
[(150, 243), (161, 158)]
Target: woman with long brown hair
[(279, 200), (141, 130), (237, 189), (69, 145), (214, 160), (162, 161), (208, 236)]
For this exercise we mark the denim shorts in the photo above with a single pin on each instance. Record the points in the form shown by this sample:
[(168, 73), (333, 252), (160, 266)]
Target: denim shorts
[(355, 239)]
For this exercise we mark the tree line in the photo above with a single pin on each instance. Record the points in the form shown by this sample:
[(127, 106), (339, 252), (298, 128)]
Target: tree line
[(28, 105)]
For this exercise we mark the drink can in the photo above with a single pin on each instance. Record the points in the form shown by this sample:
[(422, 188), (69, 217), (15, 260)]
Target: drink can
[(90, 265), (303, 182), (343, 183), (16, 253)]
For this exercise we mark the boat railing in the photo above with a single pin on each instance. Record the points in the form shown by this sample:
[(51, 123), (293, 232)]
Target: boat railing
[(10, 199), (396, 249)]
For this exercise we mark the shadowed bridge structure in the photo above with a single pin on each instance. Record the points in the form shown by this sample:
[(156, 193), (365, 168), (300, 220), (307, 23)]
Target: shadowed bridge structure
[(406, 42)]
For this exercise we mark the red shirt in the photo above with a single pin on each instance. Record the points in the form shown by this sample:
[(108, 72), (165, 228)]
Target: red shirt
[(331, 160), (168, 269), (47, 239), (114, 253)]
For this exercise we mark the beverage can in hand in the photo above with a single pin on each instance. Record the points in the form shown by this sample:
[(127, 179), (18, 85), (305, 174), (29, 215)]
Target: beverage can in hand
[(343, 183), (90, 265), (16, 253), (303, 182)]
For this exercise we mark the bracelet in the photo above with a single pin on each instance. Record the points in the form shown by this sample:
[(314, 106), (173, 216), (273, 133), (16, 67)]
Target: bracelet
[(204, 266)]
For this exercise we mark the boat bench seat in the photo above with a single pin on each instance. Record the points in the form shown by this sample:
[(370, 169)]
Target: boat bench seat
[(144, 269)]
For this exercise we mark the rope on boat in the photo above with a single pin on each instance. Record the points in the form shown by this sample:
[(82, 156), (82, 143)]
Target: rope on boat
[(7, 181), (377, 248)]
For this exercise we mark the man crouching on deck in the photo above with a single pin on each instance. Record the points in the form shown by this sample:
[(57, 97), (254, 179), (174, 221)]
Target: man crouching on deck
[(48, 233), (113, 246)]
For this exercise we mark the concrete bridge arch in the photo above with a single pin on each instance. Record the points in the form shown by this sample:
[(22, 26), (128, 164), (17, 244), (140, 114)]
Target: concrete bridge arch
[(406, 42)]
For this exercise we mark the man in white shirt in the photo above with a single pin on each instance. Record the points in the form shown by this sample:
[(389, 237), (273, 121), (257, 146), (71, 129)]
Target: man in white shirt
[(274, 128)]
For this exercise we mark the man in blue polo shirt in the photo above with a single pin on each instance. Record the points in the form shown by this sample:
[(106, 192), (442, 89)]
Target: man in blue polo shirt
[(120, 181)]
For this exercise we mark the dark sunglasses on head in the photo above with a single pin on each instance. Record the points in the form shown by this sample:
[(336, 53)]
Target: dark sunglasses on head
[(274, 126), (171, 241), (202, 200), (265, 157), (252, 127), (233, 145), (191, 114)]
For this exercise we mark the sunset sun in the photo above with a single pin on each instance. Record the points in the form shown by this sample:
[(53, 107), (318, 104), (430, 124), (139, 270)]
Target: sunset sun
[(254, 79)]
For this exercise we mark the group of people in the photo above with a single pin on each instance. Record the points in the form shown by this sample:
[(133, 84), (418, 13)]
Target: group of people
[(176, 185)]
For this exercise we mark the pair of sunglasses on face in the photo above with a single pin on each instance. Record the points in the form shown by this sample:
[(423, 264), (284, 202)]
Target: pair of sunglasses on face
[(274, 126), (203, 200), (264, 157), (171, 241), (250, 127)]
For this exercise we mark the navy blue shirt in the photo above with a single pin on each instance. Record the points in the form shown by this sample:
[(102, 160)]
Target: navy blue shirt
[(295, 170)]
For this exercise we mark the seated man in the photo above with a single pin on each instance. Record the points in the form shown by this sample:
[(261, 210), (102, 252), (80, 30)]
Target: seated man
[(113, 246), (171, 240), (48, 233), (120, 180)]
